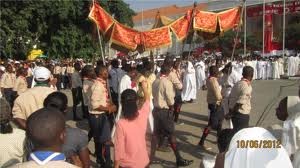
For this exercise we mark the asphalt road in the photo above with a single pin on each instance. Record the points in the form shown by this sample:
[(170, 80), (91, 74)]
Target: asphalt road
[(265, 98)]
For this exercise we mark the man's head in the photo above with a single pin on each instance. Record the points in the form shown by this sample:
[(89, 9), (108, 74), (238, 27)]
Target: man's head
[(281, 110), (57, 100), (77, 66), (224, 139), (88, 71), (22, 72), (9, 68), (115, 63), (248, 72), (101, 72), (46, 129), (213, 71), (165, 69), (169, 60)]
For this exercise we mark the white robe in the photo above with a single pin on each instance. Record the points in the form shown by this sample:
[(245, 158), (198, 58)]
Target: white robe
[(269, 69), (238, 68), (281, 66), (125, 83), (189, 84), (275, 66), (254, 66), (200, 74), (261, 70), (293, 66)]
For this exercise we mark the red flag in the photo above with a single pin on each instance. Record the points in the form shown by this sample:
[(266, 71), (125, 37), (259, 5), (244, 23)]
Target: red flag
[(229, 19), (181, 26), (103, 20)]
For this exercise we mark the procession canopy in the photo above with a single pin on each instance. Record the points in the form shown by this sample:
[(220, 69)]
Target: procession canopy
[(124, 38)]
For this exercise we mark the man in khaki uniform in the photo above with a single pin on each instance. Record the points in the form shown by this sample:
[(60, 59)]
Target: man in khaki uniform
[(99, 108), (21, 82), (240, 100), (214, 98), (8, 80), (163, 101), (33, 99)]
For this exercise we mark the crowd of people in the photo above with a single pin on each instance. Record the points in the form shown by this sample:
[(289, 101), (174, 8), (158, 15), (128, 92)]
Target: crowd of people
[(133, 106)]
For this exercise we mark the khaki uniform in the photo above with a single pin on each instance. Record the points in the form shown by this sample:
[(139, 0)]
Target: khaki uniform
[(163, 93), (99, 96), (241, 94), (70, 70), (51, 164), (175, 79), (8, 80), (213, 91), (30, 101), (20, 85), (57, 70)]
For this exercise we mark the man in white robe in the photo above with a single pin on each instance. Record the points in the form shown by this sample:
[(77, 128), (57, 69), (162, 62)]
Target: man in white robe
[(281, 66), (200, 74), (269, 69), (189, 91), (275, 66), (254, 66), (261, 69)]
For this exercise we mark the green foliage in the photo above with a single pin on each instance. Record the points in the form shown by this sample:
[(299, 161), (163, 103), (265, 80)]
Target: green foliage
[(293, 33), (60, 28)]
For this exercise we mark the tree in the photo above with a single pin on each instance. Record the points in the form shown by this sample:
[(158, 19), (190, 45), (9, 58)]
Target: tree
[(293, 34), (60, 28)]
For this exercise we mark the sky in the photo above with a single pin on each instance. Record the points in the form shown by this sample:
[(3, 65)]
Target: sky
[(139, 5)]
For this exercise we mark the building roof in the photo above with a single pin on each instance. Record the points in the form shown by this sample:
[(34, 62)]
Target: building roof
[(165, 11)]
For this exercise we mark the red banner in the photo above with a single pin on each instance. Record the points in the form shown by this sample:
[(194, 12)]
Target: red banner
[(180, 27), (103, 20), (126, 37), (156, 38), (229, 19), (206, 21), (274, 8)]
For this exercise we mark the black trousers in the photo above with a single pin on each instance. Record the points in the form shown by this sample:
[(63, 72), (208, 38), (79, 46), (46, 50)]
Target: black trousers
[(77, 98), (240, 121), (9, 95), (216, 116)]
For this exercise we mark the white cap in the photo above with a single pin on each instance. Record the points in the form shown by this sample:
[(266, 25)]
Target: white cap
[(2, 68), (41, 74), (17, 62)]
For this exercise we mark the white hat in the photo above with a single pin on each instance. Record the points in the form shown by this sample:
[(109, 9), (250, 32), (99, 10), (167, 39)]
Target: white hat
[(17, 62), (2, 68), (41, 74)]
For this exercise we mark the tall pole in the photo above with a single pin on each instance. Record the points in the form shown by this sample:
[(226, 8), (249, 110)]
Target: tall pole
[(264, 10), (245, 28), (283, 32), (101, 47)]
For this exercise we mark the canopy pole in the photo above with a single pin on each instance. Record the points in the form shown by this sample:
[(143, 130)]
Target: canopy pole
[(101, 47), (283, 31), (237, 32), (264, 20), (245, 29), (189, 28)]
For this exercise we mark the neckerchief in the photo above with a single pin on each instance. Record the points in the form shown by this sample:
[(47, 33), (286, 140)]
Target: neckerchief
[(43, 157)]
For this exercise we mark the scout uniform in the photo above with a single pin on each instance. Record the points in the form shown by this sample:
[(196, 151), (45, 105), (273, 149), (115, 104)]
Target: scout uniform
[(7, 83), (20, 85)]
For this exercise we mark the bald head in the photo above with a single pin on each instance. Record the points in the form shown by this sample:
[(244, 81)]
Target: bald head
[(45, 128)]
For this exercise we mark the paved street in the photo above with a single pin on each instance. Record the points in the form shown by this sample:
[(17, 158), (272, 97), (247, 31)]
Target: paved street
[(265, 98)]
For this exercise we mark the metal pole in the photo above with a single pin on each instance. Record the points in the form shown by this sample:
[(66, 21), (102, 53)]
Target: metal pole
[(283, 31), (101, 47), (245, 29), (264, 10), (237, 34)]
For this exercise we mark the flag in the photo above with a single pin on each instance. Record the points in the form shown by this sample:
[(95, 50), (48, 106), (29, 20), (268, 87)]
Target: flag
[(180, 27), (102, 19), (125, 36), (156, 38), (206, 21), (229, 19)]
